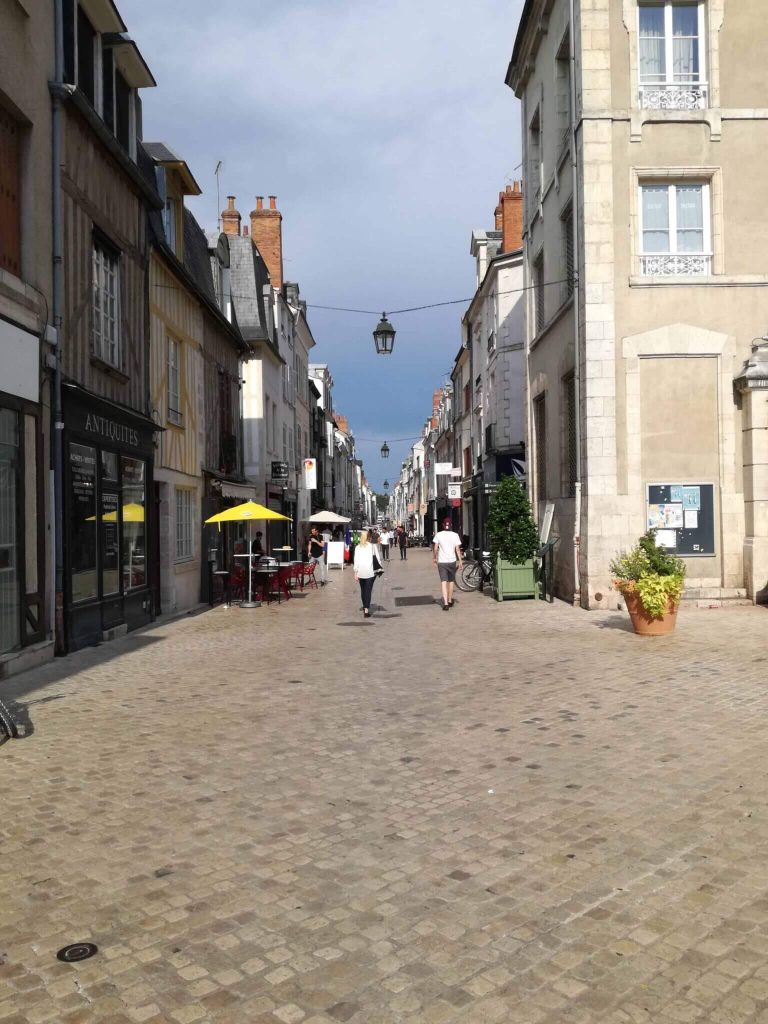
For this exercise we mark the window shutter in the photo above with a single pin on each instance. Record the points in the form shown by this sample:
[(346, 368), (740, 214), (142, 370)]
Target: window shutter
[(10, 222)]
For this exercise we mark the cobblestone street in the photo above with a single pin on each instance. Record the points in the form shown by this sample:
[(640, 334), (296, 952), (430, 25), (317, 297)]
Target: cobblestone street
[(518, 813)]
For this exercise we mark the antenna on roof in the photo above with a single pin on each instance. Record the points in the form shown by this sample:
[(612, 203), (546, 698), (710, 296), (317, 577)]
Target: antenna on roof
[(218, 197)]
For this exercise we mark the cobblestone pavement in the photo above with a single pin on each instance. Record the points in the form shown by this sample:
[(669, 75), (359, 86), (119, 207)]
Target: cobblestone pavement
[(518, 813)]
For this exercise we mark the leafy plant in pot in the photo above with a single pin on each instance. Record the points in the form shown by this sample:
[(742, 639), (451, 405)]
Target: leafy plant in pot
[(651, 581), (513, 540)]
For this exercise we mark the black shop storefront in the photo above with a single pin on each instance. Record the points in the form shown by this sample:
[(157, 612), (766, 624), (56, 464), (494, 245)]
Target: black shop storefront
[(109, 568)]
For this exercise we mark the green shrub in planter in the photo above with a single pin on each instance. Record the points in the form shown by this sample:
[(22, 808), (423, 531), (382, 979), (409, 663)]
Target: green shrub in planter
[(514, 540)]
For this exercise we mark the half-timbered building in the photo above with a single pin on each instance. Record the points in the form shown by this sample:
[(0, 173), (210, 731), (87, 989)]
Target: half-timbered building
[(108, 435)]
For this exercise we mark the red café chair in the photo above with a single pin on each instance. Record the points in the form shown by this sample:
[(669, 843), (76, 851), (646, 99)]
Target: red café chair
[(237, 584), (284, 574), (308, 574), (276, 585), (297, 575)]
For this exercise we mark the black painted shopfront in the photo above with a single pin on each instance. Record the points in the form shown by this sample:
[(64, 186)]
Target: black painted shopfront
[(109, 571)]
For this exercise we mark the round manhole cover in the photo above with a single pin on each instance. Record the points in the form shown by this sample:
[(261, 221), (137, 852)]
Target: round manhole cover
[(77, 951)]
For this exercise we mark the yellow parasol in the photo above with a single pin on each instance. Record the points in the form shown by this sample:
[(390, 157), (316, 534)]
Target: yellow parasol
[(132, 513), (249, 511)]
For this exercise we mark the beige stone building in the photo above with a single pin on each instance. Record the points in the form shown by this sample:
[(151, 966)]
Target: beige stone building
[(645, 123)]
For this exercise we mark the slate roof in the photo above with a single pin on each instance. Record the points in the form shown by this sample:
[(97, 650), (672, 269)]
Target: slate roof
[(248, 275), (161, 153), (196, 257)]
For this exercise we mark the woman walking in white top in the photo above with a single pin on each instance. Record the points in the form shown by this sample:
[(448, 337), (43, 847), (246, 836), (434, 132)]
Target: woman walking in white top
[(365, 572)]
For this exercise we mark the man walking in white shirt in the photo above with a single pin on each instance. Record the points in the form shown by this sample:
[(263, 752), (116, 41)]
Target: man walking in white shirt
[(447, 556), (384, 539)]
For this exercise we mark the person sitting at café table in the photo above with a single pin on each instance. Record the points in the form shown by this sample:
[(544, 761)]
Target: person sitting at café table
[(257, 548)]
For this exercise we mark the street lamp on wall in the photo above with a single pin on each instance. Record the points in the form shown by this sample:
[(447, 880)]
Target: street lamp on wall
[(385, 451), (384, 337)]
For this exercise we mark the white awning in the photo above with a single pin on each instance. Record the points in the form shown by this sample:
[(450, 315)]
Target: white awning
[(245, 491)]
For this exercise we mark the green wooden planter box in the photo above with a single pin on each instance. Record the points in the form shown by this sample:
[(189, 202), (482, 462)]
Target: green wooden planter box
[(514, 580)]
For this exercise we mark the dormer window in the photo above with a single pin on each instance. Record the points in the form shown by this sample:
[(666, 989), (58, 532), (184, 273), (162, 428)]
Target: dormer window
[(106, 66), (672, 55)]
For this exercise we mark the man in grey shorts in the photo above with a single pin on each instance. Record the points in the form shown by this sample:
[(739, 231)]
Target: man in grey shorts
[(446, 555)]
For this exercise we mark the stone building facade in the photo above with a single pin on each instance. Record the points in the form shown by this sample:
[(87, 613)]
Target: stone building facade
[(642, 129)]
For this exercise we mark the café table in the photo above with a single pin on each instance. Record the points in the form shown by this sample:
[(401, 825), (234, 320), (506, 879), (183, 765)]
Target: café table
[(282, 553), (223, 575), (264, 575)]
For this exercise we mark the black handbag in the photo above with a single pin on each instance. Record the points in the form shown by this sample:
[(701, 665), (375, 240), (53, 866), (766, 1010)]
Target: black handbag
[(377, 570)]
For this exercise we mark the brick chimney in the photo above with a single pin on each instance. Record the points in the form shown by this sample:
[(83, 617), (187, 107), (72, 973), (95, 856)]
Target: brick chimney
[(267, 234), (341, 422), (511, 209), (230, 218), (497, 216)]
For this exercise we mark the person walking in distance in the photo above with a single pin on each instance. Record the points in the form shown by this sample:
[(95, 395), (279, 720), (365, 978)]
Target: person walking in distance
[(316, 554), (402, 543), (384, 544), (446, 555), (365, 566)]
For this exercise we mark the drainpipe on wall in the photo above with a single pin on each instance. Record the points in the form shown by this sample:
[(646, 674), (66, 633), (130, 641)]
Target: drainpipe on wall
[(576, 308), (58, 270)]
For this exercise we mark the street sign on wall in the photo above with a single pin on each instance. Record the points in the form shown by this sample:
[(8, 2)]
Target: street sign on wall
[(454, 492), (279, 470), (443, 468)]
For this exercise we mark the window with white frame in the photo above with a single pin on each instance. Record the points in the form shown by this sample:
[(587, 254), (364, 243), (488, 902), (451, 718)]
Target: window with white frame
[(106, 304), (185, 520), (170, 213), (675, 228), (174, 380), (671, 55)]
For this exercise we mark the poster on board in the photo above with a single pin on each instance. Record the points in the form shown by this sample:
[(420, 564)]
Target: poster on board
[(683, 516)]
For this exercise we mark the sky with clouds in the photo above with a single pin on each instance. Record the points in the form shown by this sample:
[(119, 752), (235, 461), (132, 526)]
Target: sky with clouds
[(385, 130)]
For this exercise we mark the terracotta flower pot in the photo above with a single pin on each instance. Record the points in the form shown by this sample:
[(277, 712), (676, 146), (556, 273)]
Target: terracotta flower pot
[(643, 623)]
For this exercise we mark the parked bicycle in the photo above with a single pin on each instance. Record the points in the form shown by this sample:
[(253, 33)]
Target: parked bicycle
[(7, 723), (475, 573)]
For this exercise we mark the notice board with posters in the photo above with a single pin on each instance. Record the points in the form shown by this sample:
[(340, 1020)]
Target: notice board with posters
[(683, 516)]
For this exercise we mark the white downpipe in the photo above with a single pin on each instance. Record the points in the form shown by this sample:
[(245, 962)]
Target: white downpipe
[(576, 307)]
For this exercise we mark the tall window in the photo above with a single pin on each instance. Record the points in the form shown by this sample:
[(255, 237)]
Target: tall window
[(566, 221), (563, 72), (10, 206), (538, 291), (86, 55), (106, 304), (174, 381), (675, 228), (540, 436), (671, 55), (169, 221), (185, 510), (535, 161), (571, 462)]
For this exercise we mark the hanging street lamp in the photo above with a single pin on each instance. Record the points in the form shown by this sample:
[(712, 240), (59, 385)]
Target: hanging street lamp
[(385, 451), (384, 337)]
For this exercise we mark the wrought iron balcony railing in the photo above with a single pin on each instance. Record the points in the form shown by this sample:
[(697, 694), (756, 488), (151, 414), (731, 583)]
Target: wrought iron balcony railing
[(674, 96), (677, 264)]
